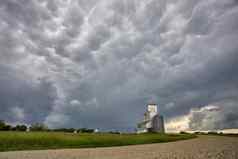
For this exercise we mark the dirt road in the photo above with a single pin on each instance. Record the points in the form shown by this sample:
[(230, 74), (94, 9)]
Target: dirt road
[(203, 147)]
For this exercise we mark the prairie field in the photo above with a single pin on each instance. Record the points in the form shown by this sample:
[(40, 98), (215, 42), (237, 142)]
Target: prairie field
[(11, 141), (202, 147)]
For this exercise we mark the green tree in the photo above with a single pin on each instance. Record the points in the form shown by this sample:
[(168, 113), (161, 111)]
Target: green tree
[(4, 126), (21, 128), (38, 127)]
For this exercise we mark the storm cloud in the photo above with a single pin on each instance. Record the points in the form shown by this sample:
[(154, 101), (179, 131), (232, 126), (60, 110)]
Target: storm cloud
[(97, 63)]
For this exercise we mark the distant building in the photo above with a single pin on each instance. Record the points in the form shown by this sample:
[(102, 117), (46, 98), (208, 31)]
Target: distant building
[(153, 121), (96, 130)]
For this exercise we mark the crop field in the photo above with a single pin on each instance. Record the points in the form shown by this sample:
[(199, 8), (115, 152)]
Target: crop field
[(10, 141)]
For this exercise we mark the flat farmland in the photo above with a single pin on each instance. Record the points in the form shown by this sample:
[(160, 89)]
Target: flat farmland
[(11, 141), (203, 147)]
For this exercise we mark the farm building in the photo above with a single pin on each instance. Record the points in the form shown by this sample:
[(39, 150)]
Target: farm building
[(153, 121)]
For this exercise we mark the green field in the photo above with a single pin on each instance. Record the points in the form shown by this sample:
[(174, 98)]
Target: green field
[(10, 141)]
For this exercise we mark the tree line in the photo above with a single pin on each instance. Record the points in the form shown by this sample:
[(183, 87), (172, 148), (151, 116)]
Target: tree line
[(40, 127), (7, 127)]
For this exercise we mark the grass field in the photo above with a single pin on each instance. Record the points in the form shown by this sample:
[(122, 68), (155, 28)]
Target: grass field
[(10, 141)]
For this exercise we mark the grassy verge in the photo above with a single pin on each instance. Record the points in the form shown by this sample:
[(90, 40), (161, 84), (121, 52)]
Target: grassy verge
[(10, 141)]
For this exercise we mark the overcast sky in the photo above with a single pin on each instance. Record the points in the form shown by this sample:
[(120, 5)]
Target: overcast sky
[(97, 63)]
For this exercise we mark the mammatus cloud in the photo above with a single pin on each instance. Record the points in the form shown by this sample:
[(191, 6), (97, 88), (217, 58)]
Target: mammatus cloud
[(89, 63)]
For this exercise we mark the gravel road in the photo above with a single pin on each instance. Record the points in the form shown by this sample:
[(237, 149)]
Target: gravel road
[(203, 147)]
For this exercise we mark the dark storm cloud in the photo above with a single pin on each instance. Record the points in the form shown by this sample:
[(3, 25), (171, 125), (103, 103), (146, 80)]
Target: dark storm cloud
[(22, 100), (98, 63)]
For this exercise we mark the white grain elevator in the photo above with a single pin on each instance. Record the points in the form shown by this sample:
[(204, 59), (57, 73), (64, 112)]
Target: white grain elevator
[(153, 121)]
